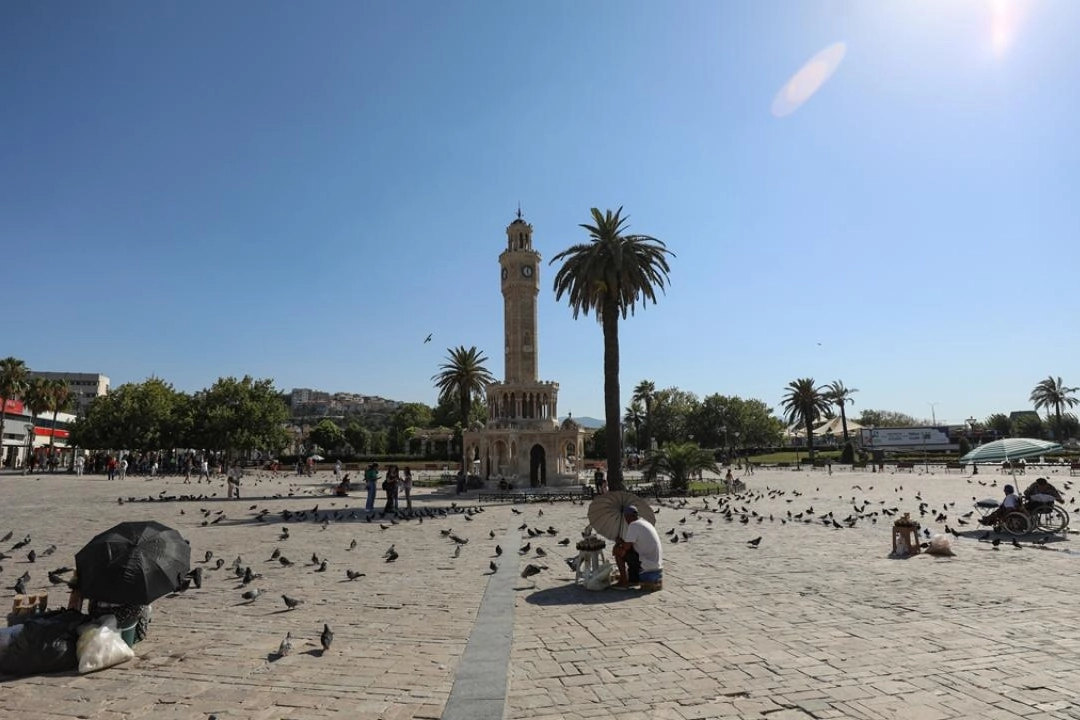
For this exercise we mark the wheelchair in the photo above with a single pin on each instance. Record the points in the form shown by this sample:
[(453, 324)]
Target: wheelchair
[(1037, 514)]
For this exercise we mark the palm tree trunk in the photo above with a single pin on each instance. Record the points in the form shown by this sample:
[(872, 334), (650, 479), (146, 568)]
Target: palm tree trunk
[(612, 416), (52, 435), (1057, 426), (843, 422), (810, 435), (3, 419)]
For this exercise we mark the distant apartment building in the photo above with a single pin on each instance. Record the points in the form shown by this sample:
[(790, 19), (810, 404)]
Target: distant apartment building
[(84, 386), (305, 401)]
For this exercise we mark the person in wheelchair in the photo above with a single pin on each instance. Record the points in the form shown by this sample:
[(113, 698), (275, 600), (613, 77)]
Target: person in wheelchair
[(1010, 503), (1041, 491)]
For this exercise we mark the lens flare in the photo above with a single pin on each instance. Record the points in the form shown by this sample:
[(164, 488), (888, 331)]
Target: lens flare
[(1004, 20), (808, 80)]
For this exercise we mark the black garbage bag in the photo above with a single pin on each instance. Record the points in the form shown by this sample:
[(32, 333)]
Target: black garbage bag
[(45, 645)]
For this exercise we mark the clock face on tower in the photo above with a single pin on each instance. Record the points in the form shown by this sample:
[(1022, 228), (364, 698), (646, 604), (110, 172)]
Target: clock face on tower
[(526, 271), (504, 273)]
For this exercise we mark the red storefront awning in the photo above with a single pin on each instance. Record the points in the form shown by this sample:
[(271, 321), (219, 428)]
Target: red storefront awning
[(49, 432)]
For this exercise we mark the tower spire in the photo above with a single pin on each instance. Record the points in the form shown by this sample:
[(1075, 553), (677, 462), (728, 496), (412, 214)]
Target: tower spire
[(519, 210)]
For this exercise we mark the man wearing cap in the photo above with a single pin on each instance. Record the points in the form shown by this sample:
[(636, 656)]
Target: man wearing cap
[(639, 554), (1010, 503)]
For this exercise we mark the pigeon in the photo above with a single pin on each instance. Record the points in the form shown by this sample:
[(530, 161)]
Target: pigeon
[(525, 548), (322, 567), (327, 637), (55, 579), (250, 595), (248, 576), (491, 534), (531, 570), (390, 551), (540, 552), (209, 555), (10, 533), (493, 566), (391, 555), (498, 550), (457, 551), (427, 339), (20, 587), (285, 562), (314, 559), (220, 563), (196, 576), (31, 556), (352, 545), (284, 534), (276, 554), (755, 542), (353, 574), (286, 645), (564, 541), (291, 602)]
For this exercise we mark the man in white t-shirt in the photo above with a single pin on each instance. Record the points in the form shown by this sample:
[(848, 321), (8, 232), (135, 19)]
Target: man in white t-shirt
[(639, 554), (1010, 503)]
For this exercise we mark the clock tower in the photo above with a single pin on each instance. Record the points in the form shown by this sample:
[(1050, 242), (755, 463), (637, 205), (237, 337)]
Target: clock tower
[(523, 440), (520, 269)]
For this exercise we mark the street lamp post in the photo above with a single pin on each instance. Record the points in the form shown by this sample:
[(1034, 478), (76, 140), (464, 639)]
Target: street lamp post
[(933, 412), (723, 429), (971, 425), (926, 458), (735, 449)]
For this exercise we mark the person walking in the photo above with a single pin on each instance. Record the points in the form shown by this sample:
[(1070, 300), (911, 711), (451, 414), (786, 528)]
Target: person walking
[(406, 486), (233, 480), (123, 467), (80, 463)]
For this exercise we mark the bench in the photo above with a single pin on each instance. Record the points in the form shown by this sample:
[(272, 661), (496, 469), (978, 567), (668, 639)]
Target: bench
[(909, 466), (955, 466), (1007, 467), (859, 465)]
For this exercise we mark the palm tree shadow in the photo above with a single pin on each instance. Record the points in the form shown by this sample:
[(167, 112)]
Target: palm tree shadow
[(573, 594)]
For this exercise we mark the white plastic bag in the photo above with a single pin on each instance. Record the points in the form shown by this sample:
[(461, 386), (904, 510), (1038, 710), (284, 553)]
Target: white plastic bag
[(100, 647)]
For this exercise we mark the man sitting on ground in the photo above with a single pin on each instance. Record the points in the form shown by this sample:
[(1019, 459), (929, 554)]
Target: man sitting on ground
[(638, 554), (1010, 503), (1042, 487)]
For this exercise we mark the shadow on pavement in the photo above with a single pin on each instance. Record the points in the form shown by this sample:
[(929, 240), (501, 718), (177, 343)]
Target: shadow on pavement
[(578, 595)]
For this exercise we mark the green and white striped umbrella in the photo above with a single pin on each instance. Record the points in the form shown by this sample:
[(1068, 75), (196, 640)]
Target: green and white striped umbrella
[(1010, 449)]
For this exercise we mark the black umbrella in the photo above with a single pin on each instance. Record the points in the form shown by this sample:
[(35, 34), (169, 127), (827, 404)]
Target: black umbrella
[(133, 563)]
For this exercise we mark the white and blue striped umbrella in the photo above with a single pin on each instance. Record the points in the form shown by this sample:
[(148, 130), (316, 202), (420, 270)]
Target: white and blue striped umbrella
[(1010, 449)]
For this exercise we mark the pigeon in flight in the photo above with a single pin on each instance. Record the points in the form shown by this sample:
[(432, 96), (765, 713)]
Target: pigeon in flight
[(428, 338)]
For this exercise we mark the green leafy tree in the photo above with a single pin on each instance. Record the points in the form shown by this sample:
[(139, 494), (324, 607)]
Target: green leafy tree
[(888, 418), (609, 276), (327, 435), (840, 395), (58, 395), (136, 416), (240, 416), (717, 416), (358, 436), (379, 442), (409, 415), (1065, 427), (598, 442), (672, 409), (13, 383), (804, 402), (680, 461), (1028, 425), (1052, 393), (462, 374), (1000, 424)]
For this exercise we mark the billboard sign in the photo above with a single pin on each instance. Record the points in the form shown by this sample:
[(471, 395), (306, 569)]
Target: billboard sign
[(905, 437)]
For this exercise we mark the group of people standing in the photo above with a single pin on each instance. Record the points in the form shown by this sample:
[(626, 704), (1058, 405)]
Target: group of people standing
[(395, 482)]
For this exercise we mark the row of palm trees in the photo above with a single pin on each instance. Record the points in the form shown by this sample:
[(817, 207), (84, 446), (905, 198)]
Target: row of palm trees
[(805, 402), (39, 395)]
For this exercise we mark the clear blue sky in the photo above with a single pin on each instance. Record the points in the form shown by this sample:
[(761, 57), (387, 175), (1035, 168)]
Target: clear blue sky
[(304, 191)]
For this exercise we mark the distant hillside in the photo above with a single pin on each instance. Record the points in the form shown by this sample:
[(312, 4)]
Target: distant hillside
[(587, 422)]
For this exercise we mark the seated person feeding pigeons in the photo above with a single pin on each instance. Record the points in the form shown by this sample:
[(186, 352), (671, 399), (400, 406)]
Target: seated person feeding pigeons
[(639, 554)]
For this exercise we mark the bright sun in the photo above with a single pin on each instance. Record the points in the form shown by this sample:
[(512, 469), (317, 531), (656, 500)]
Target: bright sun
[(1004, 18)]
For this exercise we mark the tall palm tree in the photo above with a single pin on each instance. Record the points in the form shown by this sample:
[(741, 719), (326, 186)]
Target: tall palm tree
[(609, 275), (645, 393), (58, 394), (1052, 393), (804, 403), (836, 393), (13, 381), (635, 415), (36, 398), (458, 378)]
